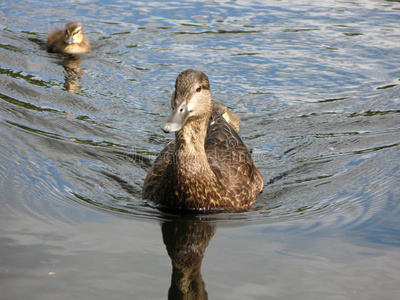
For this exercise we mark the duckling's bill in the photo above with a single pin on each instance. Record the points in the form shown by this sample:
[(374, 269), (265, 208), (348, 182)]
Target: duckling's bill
[(70, 40)]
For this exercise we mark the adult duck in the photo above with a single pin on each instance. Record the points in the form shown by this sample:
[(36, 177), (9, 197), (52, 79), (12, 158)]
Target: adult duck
[(70, 40), (207, 166)]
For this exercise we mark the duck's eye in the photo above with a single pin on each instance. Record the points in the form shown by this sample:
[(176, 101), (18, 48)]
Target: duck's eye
[(198, 89), (76, 32)]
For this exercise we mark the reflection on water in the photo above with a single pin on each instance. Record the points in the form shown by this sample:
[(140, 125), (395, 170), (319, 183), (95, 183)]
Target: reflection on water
[(316, 86), (73, 74), (186, 241)]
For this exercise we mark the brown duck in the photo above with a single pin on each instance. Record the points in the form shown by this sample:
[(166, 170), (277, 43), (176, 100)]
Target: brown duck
[(70, 40), (207, 166)]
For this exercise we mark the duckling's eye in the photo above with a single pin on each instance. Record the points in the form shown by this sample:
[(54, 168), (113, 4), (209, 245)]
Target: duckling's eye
[(198, 89)]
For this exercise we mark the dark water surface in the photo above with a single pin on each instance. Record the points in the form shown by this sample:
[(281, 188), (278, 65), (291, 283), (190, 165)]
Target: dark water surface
[(317, 86)]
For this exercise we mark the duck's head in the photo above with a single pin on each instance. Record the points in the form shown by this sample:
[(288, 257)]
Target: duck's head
[(73, 33), (191, 100)]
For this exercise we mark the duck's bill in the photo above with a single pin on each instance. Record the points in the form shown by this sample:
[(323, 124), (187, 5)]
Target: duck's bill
[(177, 119), (70, 40)]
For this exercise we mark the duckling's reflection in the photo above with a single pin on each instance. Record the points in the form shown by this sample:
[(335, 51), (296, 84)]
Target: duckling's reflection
[(73, 73), (186, 240)]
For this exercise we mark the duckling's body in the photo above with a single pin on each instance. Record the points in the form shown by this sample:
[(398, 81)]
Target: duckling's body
[(207, 166), (70, 40), (232, 118)]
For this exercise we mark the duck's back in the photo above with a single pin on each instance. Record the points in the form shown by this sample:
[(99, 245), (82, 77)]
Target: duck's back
[(229, 159), (231, 162)]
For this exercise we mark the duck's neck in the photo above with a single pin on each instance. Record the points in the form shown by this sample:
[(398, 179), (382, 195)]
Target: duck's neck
[(190, 148)]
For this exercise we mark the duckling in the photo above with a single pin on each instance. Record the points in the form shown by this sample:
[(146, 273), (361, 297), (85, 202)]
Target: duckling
[(69, 41), (206, 167), (232, 118)]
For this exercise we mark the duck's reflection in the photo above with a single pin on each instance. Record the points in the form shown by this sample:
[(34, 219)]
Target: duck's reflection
[(73, 73), (186, 241)]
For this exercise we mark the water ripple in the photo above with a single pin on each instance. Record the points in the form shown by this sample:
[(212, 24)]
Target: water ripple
[(316, 89)]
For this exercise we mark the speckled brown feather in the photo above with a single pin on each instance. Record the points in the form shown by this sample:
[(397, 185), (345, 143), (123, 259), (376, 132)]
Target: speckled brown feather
[(234, 183)]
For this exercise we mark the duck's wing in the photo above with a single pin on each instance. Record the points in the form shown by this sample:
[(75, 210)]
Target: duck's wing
[(156, 176), (230, 159)]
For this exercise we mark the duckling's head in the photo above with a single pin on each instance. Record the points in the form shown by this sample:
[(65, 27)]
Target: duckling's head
[(73, 33), (191, 100)]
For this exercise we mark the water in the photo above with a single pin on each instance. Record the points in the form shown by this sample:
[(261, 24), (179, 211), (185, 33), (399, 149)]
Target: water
[(317, 88)]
